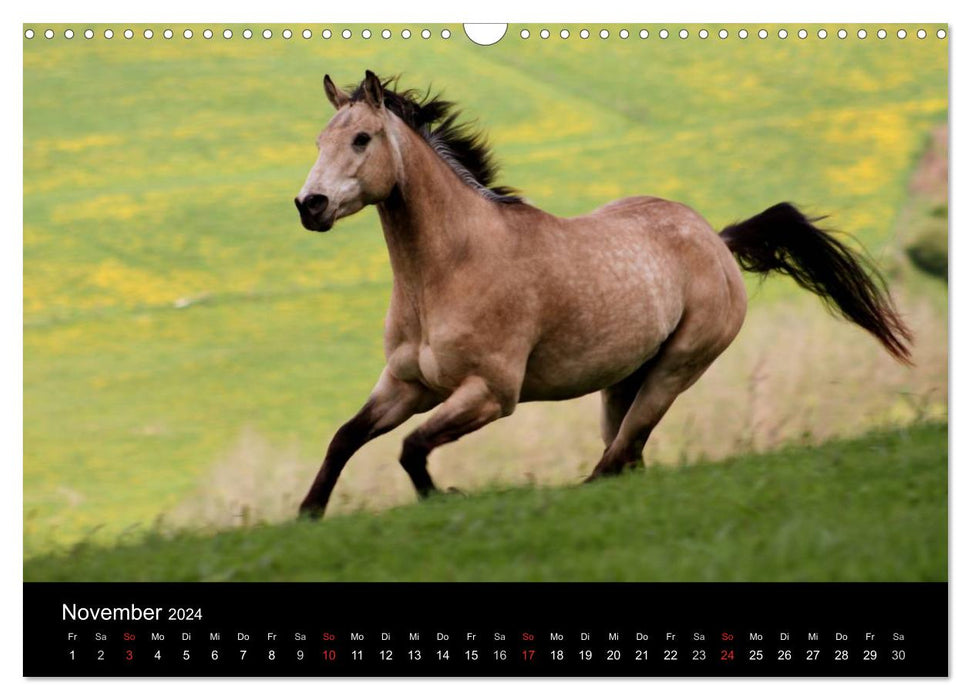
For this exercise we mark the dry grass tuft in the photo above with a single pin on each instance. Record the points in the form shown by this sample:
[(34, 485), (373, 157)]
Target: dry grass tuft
[(255, 481)]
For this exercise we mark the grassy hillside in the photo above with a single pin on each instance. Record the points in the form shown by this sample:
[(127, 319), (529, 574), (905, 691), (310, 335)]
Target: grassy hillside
[(189, 348), (870, 509)]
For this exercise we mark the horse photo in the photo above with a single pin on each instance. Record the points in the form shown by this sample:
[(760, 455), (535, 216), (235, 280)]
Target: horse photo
[(589, 250), (495, 302)]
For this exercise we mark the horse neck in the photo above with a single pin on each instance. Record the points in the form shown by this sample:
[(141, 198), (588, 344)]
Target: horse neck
[(431, 219)]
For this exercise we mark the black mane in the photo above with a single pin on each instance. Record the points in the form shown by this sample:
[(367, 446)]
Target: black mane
[(463, 148)]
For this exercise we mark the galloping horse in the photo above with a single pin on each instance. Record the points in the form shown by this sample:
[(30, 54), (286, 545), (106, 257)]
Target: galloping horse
[(495, 302)]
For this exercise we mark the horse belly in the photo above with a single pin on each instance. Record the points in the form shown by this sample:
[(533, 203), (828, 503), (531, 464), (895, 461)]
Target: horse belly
[(601, 340)]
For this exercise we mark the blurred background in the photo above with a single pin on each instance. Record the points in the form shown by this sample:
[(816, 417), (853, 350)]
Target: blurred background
[(189, 348)]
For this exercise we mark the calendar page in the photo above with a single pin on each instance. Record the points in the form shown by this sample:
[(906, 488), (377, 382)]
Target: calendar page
[(485, 350)]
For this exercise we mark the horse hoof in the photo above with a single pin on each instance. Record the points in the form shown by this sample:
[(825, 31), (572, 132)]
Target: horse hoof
[(452, 491), (310, 513)]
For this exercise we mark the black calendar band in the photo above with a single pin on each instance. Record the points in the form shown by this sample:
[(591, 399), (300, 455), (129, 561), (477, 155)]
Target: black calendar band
[(486, 629)]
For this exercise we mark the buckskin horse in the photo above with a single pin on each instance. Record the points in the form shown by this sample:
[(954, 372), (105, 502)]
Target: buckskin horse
[(495, 302)]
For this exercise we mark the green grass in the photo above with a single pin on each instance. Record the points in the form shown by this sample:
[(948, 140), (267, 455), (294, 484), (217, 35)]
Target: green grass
[(172, 300), (869, 509)]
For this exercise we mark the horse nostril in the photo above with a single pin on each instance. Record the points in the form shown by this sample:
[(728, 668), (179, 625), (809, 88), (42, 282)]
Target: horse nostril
[(315, 203)]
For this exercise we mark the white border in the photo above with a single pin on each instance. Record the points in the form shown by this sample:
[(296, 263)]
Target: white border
[(451, 11), (183, 11)]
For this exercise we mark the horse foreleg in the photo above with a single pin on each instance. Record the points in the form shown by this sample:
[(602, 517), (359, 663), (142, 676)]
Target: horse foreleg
[(390, 404), (470, 407)]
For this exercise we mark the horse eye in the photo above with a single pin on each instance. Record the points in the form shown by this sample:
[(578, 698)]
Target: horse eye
[(361, 140)]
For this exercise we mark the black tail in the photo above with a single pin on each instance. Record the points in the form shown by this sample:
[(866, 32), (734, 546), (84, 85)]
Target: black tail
[(782, 239)]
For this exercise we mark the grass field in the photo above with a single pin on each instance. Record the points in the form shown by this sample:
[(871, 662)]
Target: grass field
[(862, 510), (189, 348)]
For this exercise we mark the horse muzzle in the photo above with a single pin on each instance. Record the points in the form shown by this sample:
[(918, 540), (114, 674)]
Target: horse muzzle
[(314, 213)]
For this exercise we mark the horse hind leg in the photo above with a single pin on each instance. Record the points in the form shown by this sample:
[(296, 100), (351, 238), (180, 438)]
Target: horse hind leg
[(615, 402), (672, 371)]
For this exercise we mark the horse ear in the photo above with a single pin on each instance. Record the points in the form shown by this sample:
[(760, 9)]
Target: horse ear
[(373, 90), (337, 97)]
